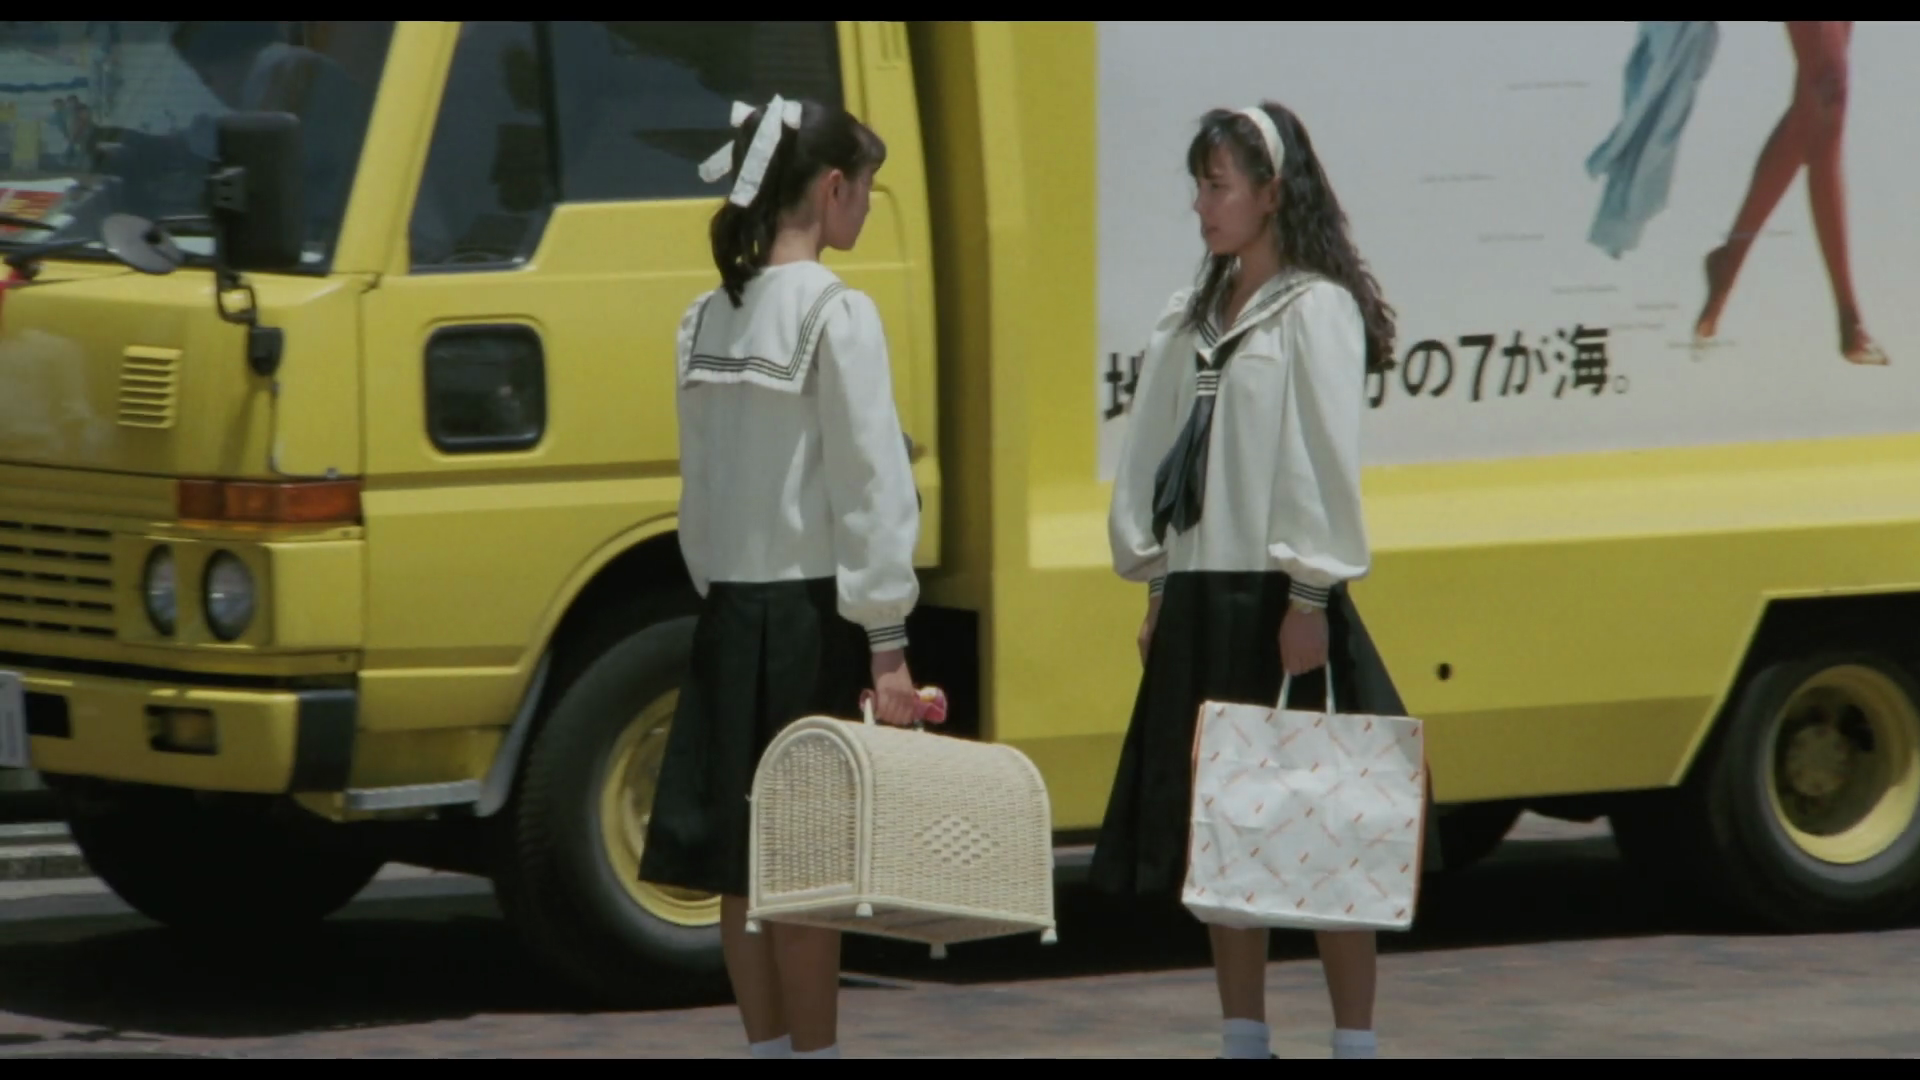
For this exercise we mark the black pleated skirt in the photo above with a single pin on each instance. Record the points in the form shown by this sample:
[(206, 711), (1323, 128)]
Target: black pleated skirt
[(1218, 639), (764, 655)]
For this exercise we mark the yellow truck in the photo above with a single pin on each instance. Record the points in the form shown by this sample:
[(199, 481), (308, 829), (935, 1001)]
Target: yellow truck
[(337, 478)]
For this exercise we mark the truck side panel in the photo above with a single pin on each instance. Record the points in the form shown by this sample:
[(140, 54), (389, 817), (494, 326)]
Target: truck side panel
[(1579, 519)]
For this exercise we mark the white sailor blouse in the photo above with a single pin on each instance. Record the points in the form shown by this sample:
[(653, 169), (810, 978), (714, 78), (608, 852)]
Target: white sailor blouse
[(1243, 446), (792, 460)]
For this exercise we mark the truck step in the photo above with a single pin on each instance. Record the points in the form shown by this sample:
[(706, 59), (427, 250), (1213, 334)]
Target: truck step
[(39, 852)]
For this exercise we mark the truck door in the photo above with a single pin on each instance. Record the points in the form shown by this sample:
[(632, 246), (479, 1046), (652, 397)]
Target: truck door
[(520, 370)]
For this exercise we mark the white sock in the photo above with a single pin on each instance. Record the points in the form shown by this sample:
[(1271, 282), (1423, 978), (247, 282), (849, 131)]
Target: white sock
[(1354, 1044), (1245, 1039), (824, 1052), (772, 1048)]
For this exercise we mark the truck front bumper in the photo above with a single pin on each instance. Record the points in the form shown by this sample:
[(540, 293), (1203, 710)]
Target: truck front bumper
[(175, 734)]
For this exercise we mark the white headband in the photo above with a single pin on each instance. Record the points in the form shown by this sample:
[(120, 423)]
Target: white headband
[(1276, 154), (766, 139)]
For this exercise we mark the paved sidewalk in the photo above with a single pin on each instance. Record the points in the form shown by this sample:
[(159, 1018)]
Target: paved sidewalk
[(1546, 951)]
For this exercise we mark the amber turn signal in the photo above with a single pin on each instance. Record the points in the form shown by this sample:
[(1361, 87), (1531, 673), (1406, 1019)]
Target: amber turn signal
[(327, 502)]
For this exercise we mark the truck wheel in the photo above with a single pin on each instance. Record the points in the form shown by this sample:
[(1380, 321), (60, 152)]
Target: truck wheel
[(571, 880), (1806, 816), (214, 868), (1469, 834)]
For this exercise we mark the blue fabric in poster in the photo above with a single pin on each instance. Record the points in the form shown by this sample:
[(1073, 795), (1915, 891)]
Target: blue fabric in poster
[(1663, 76)]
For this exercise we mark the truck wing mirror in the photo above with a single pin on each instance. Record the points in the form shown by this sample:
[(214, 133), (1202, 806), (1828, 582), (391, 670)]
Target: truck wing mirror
[(255, 193)]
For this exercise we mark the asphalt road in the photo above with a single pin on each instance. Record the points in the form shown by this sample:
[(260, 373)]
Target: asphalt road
[(1547, 950)]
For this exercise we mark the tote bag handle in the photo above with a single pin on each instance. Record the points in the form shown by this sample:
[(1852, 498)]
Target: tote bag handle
[(1286, 681)]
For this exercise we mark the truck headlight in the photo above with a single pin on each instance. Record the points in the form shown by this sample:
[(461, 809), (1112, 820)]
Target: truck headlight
[(229, 596), (161, 591)]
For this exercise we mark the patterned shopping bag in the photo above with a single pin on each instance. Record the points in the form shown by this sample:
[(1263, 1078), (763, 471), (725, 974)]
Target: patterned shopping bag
[(1305, 820)]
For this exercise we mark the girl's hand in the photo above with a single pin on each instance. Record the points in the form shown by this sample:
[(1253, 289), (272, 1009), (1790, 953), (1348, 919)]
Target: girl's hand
[(1146, 627), (1303, 641), (895, 699)]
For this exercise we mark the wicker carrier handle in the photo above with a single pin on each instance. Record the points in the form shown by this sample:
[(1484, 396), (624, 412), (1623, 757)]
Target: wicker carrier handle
[(931, 710)]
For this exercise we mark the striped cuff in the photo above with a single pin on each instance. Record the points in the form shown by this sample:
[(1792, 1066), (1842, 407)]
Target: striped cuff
[(1310, 595), (887, 638), (1156, 586)]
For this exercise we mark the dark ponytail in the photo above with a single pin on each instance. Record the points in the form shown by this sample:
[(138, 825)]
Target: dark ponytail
[(1310, 228), (828, 138)]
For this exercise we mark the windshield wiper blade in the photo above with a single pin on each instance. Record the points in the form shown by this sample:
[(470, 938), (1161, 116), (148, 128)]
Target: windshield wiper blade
[(25, 258), (14, 221)]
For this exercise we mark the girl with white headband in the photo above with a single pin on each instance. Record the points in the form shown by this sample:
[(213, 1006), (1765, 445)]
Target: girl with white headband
[(798, 521), (1237, 503)]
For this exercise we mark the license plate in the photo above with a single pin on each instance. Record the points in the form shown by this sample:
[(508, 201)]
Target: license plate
[(14, 752)]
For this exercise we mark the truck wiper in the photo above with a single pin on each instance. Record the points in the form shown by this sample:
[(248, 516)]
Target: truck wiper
[(25, 258), (14, 221), (140, 244)]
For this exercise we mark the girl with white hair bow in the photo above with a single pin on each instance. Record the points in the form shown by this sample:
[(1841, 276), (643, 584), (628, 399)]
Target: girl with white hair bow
[(798, 521)]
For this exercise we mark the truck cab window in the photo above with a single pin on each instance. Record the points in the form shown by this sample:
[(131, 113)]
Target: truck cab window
[(640, 104), (489, 181)]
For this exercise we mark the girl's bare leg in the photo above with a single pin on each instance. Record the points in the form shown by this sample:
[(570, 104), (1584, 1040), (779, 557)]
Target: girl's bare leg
[(1350, 962), (808, 961), (1240, 970), (751, 970)]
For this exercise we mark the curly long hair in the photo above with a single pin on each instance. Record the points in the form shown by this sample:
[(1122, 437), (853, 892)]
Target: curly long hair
[(1311, 228)]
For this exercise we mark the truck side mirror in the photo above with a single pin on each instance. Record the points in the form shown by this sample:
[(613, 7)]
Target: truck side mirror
[(255, 193)]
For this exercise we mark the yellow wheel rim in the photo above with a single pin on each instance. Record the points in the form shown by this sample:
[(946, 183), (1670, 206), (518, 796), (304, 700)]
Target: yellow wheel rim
[(1844, 774), (626, 804)]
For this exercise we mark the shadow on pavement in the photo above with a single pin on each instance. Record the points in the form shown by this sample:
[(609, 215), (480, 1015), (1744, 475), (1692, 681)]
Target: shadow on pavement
[(383, 962), (433, 958), (1528, 892)]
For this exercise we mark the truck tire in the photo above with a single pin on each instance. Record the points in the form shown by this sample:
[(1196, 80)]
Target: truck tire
[(1469, 834), (569, 881), (1805, 814), (215, 867)]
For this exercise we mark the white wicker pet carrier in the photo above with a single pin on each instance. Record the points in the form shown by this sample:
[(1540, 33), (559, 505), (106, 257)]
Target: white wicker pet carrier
[(897, 833)]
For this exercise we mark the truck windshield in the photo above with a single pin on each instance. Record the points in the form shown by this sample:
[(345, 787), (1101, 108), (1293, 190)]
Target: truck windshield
[(98, 118)]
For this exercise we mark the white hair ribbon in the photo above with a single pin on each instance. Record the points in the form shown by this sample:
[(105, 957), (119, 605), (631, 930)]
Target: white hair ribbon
[(766, 139), (1276, 153)]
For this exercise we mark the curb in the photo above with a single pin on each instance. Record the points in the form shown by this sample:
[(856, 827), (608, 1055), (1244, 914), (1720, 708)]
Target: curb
[(39, 853)]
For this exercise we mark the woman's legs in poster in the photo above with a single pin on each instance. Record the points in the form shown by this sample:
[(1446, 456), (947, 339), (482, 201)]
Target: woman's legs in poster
[(1809, 134)]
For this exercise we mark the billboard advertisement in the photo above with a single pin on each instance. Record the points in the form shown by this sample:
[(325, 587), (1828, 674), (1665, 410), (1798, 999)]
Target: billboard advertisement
[(1596, 236)]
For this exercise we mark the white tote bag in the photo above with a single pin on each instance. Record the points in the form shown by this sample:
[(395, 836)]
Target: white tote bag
[(1305, 820)]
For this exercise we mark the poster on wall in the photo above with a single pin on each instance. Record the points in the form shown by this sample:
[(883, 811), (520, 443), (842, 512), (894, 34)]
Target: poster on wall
[(1596, 236)]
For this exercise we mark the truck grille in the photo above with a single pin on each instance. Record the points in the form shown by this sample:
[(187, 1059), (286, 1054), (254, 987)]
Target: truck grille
[(55, 579)]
